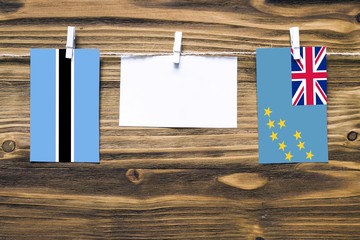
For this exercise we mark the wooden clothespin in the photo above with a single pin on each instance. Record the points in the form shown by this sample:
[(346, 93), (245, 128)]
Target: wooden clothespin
[(70, 43), (295, 42), (177, 47)]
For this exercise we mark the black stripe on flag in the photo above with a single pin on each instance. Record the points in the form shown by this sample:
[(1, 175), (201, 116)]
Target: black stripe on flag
[(64, 107)]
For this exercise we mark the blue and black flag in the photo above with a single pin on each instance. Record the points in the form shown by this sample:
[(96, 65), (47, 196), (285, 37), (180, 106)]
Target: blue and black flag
[(64, 111)]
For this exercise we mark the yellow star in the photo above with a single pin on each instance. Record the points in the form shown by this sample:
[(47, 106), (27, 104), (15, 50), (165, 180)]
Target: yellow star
[(301, 145), (309, 155), (282, 146), (270, 124), (297, 135), (288, 156), (273, 136), (281, 123), (267, 112)]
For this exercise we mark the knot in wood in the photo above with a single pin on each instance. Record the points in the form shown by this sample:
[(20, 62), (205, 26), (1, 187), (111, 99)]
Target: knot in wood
[(135, 176), (352, 136), (259, 238), (8, 146), (358, 18)]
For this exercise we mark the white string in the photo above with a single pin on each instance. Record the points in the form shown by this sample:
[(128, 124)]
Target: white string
[(182, 53), (128, 54), (14, 55), (344, 53)]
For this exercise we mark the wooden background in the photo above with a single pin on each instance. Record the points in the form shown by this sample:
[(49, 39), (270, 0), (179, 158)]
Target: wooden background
[(180, 183)]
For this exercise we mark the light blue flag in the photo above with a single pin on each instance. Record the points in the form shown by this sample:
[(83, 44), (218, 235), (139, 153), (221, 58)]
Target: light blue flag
[(42, 105), (287, 133), (86, 105), (64, 106)]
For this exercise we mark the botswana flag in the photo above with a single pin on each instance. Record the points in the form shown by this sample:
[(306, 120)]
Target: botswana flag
[(64, 106)]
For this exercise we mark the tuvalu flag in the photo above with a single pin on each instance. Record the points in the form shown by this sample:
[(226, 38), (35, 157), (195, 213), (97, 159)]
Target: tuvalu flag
[(64, 106), (289, 131)]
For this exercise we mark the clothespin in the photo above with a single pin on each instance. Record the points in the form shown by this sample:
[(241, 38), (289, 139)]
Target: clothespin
[(295, 42), (70, 43), (177, 47)]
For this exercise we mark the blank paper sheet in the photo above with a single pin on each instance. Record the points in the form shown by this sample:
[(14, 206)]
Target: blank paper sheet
[(200, 92)]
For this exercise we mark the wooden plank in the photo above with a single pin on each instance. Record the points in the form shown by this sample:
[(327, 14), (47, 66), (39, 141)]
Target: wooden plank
[(179, 183), (181, 204)]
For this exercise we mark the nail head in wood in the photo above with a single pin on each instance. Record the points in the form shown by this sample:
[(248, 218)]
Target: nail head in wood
[(135, 176), (8, 146), (352, 136)]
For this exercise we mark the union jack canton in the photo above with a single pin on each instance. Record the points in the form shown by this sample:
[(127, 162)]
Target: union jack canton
[(309, 77)]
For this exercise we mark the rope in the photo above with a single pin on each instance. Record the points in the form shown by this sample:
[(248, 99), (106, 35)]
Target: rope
[(126, 54)]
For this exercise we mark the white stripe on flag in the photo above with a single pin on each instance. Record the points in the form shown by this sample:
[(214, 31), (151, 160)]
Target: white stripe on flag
[(72, 108), (57, 107)]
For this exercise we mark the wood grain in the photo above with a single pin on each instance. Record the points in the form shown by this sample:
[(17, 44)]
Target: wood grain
[(166, 183)]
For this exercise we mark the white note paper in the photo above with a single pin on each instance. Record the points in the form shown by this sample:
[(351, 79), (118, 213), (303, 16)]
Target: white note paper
[(200, 92)]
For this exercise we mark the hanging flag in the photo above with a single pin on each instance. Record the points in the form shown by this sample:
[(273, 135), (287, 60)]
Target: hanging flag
[(309, 77), (287, 133), (64, 106)]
